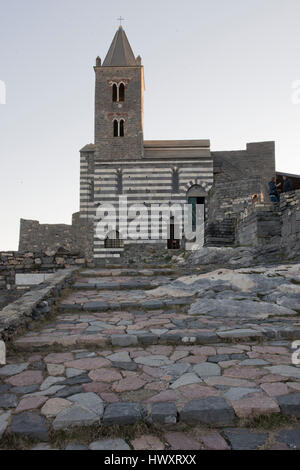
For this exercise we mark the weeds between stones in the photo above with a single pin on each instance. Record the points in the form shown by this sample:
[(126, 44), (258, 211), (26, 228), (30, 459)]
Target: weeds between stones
[(58, 439), (14, 442), (86, 435), (272, 421)]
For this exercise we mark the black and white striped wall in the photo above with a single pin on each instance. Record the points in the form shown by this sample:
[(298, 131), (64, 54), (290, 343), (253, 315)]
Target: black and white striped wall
[(144, 181)]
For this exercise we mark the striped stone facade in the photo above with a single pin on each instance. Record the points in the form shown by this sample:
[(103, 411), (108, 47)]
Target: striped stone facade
[(147, 181)]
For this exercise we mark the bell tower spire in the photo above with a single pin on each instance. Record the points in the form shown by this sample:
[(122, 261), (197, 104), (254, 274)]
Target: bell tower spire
[(119, 102)]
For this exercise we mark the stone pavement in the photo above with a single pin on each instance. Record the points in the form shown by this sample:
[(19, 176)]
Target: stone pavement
[(194, 358)]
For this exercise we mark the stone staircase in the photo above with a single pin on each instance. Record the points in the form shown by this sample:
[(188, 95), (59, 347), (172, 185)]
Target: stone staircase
[(221, 232), (120, 350)]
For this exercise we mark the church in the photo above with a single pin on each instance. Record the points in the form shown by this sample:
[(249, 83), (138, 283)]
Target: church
[(120, 165), (121, 162)]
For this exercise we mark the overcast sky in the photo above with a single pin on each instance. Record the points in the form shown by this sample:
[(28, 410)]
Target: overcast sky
[(214, 69)]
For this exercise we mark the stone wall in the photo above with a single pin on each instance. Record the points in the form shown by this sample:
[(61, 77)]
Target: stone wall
[(237, 176), (259, 225), (258, 160), (78, 237), (290, 217), (230, 198), (220, 232), (14, 262), (34, 304)]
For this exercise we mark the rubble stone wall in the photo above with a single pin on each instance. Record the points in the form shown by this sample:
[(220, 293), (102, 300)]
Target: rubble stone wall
[(272, 224), (290, 222), (259, 225), (34, 304), (78, 237)]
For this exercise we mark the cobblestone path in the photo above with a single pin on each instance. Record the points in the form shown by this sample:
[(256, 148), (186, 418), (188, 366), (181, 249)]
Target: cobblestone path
[(151, 359)]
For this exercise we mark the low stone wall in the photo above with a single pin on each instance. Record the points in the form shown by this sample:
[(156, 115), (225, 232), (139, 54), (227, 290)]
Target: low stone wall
[(41, 237), (290, 217), (272, 224), (34, 304), (14, 262), (259, 225)]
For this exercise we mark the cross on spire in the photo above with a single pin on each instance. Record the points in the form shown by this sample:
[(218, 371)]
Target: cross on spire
[(120, 19)]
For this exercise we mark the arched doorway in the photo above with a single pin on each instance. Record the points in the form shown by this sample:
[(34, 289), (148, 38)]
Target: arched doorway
[(196, 196)]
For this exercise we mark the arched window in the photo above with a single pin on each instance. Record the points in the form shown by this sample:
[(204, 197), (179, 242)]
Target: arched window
[(122, 128), (175, 181), (119, 182), (115, 92), (121, 92), (116, 128)]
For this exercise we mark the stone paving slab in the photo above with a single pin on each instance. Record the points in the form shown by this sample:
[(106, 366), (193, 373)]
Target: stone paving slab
[(166, 386)]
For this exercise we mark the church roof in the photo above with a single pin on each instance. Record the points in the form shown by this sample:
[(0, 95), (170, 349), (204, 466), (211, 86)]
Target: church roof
[(172, 149), (120, 52), (88, 148)]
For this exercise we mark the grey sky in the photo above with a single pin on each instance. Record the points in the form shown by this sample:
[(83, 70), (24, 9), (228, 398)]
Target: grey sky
[(217, 69)]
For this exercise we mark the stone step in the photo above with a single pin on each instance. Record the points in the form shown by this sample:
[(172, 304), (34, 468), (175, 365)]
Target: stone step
[(102, 306), (93, 332), (119, 283), (126, 271)]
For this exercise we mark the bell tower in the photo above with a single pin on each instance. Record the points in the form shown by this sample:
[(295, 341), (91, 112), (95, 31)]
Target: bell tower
[(119, 102)]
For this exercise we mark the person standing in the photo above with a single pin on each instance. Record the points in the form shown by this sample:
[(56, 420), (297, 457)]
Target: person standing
[(287, 184), (273, 190)]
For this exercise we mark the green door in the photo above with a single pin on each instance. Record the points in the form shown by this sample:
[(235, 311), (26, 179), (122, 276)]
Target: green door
[(193, 201)]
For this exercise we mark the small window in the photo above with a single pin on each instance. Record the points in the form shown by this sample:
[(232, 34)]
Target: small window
[(92, 191), (116, 128), (113, 240), (121, 92), (119, 182), (175, 181), (115, 92), (122, 128), (91, 163)]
